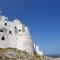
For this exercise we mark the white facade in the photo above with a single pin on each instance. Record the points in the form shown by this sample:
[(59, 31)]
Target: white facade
[(36, 48), (15, 35)]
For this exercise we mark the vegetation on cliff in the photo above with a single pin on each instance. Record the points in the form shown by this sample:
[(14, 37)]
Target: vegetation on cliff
[(15, 54)]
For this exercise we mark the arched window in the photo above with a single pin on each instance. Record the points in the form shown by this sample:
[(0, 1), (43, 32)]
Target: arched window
[(5, 24), (1, 30), (3, 38), (16, 31), (15, 27), (10, 32), (19, 29)]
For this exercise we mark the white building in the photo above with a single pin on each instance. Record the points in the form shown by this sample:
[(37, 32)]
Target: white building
[(36, 48), (14, 34)]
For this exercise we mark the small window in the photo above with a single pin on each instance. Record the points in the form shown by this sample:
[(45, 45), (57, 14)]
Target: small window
[(10, 32), (3, 38), (1, 30), (19, 30), (16, 31), (15, 27), (5, 24)]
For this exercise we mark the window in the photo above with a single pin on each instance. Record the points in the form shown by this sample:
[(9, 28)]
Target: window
[(10, 32), (3, 38), (16, 31), (1, 30), (15, 27), (19, 30), (5, 24)]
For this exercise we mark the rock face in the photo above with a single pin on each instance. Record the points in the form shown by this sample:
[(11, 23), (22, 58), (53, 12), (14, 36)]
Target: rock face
[(15, 54)]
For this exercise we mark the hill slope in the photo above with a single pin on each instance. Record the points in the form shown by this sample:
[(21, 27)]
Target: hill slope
[(15, 54)]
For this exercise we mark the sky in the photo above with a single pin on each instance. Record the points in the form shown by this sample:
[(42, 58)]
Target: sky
[(41, 16)]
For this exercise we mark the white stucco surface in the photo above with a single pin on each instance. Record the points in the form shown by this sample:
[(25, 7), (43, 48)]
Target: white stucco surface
[(19, 37)]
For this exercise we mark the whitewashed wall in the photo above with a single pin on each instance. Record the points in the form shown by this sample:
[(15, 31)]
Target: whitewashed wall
[(20, 39)]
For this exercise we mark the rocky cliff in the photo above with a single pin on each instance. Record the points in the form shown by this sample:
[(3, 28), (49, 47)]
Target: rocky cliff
[(15, 54)]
